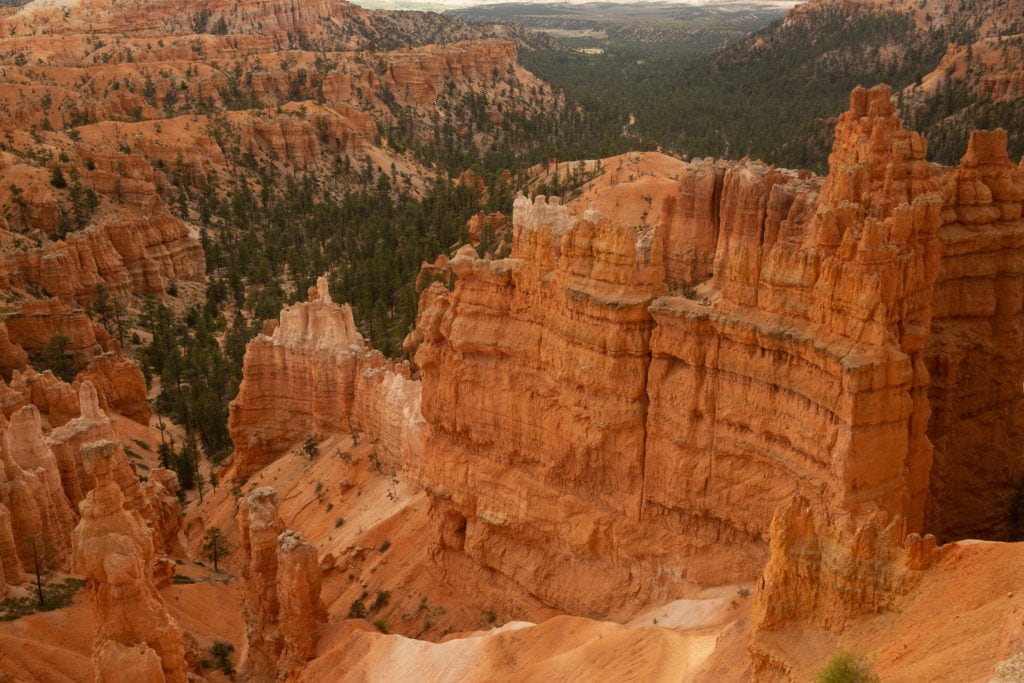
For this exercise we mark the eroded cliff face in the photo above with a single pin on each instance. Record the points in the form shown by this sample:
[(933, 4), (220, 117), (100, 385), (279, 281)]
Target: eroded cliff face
[(647, 431), (113, 549), (312, 375), (975, 354), (534, 373)]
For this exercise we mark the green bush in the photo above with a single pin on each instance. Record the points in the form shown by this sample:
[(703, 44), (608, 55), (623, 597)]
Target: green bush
[(847, 667)]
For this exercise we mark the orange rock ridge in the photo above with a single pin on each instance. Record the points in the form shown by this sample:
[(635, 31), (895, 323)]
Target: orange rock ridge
[(578, 417)]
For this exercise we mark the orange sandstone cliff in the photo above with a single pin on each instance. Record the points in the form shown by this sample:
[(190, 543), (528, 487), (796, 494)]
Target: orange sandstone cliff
[(282, 599), (635, 423), (763, 373), (312, 375)]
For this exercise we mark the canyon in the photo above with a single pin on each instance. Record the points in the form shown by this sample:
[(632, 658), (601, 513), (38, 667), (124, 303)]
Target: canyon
[(622, 392), (700, 418)]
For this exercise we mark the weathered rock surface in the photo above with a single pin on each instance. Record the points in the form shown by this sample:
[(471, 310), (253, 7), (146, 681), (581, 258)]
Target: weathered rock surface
[(297, 381), (38, 321), (67, 441), (563, 376), (312, 375), (826, 568), (12, 355), (30, 489), (127, 254), (282, 599), (121, 383), (975, 354), (113, 549)]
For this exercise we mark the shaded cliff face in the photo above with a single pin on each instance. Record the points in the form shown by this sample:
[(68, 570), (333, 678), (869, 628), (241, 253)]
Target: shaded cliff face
[(975, 354), (669, 428)]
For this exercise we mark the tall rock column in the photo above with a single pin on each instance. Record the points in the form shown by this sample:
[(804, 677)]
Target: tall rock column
[(136, 639), (282, 598)]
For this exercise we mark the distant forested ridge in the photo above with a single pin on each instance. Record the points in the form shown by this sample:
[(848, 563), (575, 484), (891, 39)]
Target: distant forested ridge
[(774, 94)]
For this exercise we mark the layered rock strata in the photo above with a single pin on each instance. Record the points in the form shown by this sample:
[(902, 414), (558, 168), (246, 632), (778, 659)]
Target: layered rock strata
[(975, 354), (282, 603), (648, 430), (312, 375), (67, 441), (128, 255), (31, 490), (825, 568), (113, 549)]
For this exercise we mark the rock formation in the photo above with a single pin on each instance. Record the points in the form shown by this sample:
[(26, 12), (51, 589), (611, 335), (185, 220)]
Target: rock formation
[(312, 375), (282, 599), (825, 568), (975, 354), (297, 381), (67, 441), (30, 489), (113, 549), (562, 375), (39, 321), (162, 510), (121, 383), (127, 254)]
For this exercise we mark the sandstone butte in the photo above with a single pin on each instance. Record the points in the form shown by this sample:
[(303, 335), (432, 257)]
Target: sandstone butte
[(595, 424)]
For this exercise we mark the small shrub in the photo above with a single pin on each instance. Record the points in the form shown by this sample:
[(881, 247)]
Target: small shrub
[(384, 546), (357, 610), (221, 651), (381, 624), (338, 522), (179, 579), (380, 601), (847, 667)]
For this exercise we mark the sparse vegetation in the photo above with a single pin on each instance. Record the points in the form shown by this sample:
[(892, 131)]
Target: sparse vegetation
[(220, 656), (56, 594), (847, 667), (357, 610)]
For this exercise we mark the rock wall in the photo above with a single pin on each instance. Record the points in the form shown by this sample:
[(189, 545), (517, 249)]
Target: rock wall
[(31, 490), (297, 380), (128, 254), (68, 440), (113, 549), (37, 322), (668, 428), (312, 375), (44, 478)]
